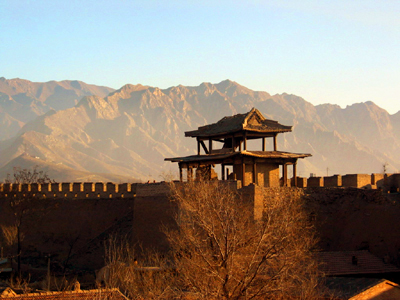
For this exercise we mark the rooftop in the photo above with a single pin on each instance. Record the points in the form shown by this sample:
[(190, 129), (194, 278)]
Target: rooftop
[(97, 294), (252, 121), (278, 155), (347, 287), (353, 262)]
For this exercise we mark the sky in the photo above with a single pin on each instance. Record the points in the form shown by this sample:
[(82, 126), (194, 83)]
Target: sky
[(338, 52)]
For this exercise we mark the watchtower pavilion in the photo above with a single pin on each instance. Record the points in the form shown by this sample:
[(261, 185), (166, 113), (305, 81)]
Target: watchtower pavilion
[(258, 167)]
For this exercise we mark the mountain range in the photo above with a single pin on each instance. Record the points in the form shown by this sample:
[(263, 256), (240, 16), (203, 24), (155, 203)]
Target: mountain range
[(82, 132)]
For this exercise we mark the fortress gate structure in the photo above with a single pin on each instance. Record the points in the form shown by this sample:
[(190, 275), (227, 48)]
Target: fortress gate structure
[(258, 167)]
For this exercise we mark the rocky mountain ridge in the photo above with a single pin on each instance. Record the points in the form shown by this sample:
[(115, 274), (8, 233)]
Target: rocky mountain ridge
[(131, 130), (22, 100)]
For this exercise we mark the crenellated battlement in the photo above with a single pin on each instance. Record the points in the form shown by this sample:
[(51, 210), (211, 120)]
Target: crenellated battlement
[(83, 190), (110, 190), (366, 181)]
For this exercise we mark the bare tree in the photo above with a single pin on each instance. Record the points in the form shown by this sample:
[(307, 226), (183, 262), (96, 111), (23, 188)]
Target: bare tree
[(25, 203), (149, 276), (221, 252)]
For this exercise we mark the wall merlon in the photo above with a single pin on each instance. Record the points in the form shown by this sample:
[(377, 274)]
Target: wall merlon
[(301, 182), (99, 187), (357, 180), (333, 181), (124, 187), (112, 187), (56, 187), (66, 187), (315, 182), (45, 187), (77, 187)]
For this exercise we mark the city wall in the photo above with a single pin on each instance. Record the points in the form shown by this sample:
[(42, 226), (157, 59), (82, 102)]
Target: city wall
[(366, 214)]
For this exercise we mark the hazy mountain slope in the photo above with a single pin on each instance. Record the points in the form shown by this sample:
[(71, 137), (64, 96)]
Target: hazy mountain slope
[(130, 131), (59, 172), (8, 125), (24, 100)]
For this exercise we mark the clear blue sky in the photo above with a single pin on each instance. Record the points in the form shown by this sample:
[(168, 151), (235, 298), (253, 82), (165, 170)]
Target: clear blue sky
[(325, 51)]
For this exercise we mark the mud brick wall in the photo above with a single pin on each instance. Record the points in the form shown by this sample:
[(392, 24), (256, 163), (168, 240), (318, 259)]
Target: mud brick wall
[(356, 219), (357, 180), (377, 180), (333, 181), (315, 182), (152, 189), (301, 182)]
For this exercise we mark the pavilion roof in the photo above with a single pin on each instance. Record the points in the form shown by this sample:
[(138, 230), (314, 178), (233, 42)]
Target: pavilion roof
[(215, 157), (251, 121)]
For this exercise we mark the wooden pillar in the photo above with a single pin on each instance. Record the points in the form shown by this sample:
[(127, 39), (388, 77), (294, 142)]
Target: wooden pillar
[(294, 174), (227, 174), (189, 174), (255, 172), (275, 147), (285, 174), (198, 146), (243, 173), (244, 141), (180, 173), (240, 146), (209, 146), (263, 144), (223, 171), (233, 143)]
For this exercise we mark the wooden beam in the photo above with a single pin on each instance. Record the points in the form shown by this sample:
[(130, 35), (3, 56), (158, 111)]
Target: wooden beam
[(223, 171), (233, 143), (204, 147), (263, 144), (244, 141), (198, 146), (227, 173), (294, 174), (210, 146), (275, 147), (180, 174)]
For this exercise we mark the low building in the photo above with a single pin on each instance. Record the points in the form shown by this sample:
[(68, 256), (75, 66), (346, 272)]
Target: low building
[(96, 294), (345, 288)]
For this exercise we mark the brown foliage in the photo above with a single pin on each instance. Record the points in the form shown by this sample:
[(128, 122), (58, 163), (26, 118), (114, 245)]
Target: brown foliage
[(222, 253), (148, 277)]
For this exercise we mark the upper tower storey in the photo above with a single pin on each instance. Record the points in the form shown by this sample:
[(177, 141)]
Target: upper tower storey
[(234, 132)]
